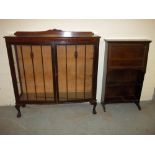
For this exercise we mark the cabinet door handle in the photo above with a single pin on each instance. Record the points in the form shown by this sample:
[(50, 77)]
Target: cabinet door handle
[(75, 54)]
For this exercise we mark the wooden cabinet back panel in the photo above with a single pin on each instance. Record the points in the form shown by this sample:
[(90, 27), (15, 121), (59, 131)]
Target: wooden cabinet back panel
[(124, 92), (126, 51), (124, 76), (126, 55)]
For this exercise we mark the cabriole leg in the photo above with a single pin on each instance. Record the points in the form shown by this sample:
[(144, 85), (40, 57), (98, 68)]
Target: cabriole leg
[(138, 105), (18, 109), (103, 105), (23, 105), (94, 103), (94, 108)]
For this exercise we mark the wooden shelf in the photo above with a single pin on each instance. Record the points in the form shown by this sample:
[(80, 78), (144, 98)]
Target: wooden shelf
[(74, 96), (113, 84), (121, 99), (36, 97), (50, 96), (126, 67)]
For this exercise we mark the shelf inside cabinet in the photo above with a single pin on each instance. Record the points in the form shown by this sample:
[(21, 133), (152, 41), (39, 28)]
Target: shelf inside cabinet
[(74, 96), (125, 76), (121, 99), (113, 84), (36, 97)]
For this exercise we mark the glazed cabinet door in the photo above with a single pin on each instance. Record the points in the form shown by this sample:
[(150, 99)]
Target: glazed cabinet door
[(75, 72), (34, 72)]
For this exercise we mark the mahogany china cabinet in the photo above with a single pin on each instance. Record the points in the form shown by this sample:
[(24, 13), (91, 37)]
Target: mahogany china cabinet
[(125, 67), (53, 67)]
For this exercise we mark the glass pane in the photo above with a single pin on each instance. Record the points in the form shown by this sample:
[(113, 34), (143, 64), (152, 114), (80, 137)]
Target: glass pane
[(29, 72), (16, 65), (71, 71), (48, 72), (62, 72), (89, 70), (38, 72), (75, 65), (80, 71), (35, 75)]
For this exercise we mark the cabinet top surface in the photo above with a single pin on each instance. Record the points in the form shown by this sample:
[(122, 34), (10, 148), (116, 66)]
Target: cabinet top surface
[(53, 34), (127, 40)]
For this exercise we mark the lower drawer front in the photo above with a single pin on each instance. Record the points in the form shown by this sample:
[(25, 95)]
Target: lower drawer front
[(124, 93)]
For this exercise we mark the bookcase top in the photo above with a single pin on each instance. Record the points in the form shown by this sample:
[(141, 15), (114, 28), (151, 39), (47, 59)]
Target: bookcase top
[(53, 33)]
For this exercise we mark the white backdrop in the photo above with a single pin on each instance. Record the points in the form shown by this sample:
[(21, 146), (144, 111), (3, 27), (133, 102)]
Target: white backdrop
[(116, 29)]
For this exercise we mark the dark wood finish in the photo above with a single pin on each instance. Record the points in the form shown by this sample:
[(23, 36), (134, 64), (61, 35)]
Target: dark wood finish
[(53, 66), (125, 67), (94, 102), (18, 109), (54, 32)]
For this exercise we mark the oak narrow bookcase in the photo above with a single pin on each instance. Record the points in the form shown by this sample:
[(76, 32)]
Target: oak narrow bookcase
[(54, 66)]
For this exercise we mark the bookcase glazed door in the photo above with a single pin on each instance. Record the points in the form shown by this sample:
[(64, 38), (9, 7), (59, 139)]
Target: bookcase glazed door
[(75, 72), (34, 73)]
